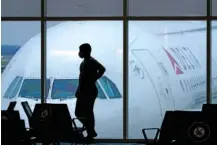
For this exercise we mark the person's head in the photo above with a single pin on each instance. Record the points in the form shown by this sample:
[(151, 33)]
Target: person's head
[(84, 50)]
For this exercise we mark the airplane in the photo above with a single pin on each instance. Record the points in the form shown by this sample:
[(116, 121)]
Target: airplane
[(166, 63)]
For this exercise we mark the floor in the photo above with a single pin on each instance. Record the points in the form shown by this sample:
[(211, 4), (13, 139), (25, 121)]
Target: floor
[(104, 144)]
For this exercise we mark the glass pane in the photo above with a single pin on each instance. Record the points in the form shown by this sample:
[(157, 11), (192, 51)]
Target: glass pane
[(21, 67), (63, 64), (214, 7), (76, 8), (214, 62), (167, 7), (167, 71), (21, 8)]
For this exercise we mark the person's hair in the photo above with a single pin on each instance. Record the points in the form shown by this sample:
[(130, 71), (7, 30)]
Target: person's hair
[(86, 48)]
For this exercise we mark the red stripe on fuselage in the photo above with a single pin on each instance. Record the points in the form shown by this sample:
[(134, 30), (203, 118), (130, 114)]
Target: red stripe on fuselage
[(174, 63)]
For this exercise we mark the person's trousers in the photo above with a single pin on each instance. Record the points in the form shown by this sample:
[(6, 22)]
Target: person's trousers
[(84, 109)]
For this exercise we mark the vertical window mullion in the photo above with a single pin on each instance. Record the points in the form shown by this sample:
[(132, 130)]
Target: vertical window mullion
[(208, 54), (43, 53), (125, 69)]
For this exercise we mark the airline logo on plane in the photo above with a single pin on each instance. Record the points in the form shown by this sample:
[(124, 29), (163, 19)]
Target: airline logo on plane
[(175, 64)]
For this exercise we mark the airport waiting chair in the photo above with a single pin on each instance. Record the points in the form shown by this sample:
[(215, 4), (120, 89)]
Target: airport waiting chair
[(29, 113), (178, 129), (164, 135), (13, 127)]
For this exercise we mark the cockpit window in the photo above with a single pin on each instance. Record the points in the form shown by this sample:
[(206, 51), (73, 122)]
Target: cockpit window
[(31, 88), (66, 88), (61, 88), (13, 88), (110, 88), (101, 94)]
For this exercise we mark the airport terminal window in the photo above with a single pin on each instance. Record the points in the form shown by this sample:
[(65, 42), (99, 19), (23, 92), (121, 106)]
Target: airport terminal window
[(20, 58), (155, 93), (63, 39), (31, 88), (107, 87), (13, 88)]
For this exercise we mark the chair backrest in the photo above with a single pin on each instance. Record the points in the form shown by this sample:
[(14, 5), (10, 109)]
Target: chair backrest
[(11, 106), (182, 126), (52, 121), (167, 133), (27, 109), (51, 116), (210, 108)]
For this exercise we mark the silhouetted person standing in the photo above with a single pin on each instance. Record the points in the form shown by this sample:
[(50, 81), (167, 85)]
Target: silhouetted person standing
[(90, 71)]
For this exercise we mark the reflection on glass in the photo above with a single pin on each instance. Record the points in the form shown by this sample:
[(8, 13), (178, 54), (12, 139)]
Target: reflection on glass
[(20, 61), (167, 71), (214, 62), (63, 62)]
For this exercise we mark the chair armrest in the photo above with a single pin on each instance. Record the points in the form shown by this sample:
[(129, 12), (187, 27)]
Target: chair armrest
[(78, 118), (29, 128), (156, 135)]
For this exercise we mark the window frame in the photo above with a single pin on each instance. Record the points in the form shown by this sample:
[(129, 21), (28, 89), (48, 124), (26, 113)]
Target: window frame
[(125, 18)]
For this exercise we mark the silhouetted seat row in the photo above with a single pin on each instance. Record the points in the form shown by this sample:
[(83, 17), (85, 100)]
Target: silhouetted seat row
[(13, 128), (186, 128), (48, 123)]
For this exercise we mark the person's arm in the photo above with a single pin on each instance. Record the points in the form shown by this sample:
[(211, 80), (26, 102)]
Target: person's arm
[(100, 70)]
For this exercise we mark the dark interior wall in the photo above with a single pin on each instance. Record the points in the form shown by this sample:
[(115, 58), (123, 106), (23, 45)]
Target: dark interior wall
[(107, 7)]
